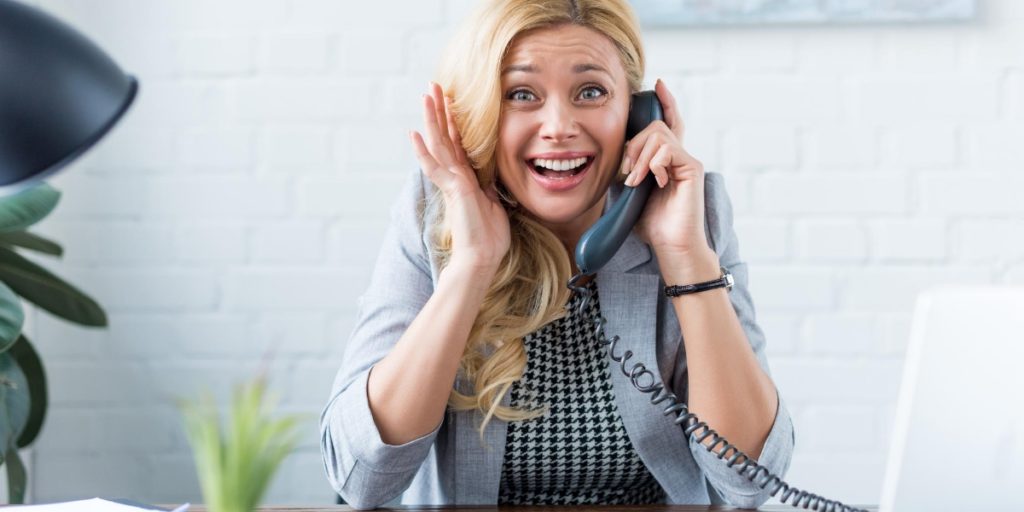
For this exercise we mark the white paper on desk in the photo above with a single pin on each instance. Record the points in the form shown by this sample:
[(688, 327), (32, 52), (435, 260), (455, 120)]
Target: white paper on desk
[(93, 505)]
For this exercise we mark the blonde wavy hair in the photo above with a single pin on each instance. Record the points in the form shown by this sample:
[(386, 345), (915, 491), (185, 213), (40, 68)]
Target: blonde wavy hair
[(529, 289)]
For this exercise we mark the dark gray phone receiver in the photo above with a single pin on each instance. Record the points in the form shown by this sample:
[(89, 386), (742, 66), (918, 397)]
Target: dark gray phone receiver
[(603, 239)]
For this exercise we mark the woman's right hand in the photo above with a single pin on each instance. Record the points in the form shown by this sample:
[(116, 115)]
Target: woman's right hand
[(480, 228)]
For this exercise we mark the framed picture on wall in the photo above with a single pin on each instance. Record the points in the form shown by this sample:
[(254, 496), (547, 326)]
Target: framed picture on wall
[(668, 13)]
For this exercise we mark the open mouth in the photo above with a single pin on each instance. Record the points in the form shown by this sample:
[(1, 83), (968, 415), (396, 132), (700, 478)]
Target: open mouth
[(560, 169)]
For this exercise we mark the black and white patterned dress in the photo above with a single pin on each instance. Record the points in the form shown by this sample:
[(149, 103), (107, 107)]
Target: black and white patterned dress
[(578, 453)]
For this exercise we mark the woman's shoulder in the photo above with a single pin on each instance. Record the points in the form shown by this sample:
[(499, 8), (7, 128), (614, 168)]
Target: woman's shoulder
[(414, 203), (714, 189), (717, 209), (413, 212)]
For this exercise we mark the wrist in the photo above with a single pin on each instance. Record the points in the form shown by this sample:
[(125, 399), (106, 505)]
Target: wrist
[(688, 267), (478, 272)]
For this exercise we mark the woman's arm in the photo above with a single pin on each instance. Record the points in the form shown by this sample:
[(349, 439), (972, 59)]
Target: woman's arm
[(726, 378), (727, 388), (403, 355), (408, 390), (401, 308), (382, 420)]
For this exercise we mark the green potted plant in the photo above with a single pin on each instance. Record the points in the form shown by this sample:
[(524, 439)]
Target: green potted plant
[(236, 461), (23, 399)]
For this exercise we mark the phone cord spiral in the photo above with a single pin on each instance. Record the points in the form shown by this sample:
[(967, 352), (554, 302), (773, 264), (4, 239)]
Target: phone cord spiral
[(696, 430)]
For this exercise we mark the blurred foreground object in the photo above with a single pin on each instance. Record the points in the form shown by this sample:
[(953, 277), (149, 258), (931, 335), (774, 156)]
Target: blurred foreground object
[(236, 460), (59, 95), (958, 437)]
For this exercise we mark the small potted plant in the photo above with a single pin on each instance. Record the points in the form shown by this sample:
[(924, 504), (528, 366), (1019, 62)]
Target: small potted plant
[(236, 460)]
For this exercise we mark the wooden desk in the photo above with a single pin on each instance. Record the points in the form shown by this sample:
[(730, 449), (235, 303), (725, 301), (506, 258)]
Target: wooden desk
[(638, 508)]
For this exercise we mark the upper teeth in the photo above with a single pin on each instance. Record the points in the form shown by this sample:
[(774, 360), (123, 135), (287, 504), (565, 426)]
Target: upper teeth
[(560, 165)]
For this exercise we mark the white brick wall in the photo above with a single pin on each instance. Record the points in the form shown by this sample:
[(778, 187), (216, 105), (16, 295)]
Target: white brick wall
[(230, 221)]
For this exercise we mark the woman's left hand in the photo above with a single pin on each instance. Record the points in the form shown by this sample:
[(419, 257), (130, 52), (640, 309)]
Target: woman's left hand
[(673, 220)]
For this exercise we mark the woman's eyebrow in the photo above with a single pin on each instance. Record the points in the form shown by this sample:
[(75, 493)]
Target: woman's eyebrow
[(578, 68), (583, 68), (523, 68)]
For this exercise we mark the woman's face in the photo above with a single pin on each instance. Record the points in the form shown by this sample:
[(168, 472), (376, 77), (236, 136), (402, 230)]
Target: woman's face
[(563, 122)]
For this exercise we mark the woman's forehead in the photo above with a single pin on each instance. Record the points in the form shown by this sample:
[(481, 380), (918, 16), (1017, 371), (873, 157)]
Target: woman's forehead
[(578, 46)]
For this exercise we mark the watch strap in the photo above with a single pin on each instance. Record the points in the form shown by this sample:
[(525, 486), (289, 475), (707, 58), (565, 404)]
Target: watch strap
[(726, 281)]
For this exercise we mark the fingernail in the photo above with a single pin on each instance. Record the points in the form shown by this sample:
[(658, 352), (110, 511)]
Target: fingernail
[(660, 183), (631, 180), (625, 165)]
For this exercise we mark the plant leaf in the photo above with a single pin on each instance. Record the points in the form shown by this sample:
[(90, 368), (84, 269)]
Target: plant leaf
[(16, 477), (32, 366), (39, 286), (32, 242), (202, 425), (12, 317), (14, 398), (27, 207), (236, 459)]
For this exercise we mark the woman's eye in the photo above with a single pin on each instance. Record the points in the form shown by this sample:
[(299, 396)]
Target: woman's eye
[(592, 93), (520, 95)]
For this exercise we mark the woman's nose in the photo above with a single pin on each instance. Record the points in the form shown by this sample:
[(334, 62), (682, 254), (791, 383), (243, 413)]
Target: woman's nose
[(558, 123)]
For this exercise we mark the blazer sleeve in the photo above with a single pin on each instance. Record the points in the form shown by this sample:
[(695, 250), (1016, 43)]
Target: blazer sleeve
[(734, 488), (363, 469)]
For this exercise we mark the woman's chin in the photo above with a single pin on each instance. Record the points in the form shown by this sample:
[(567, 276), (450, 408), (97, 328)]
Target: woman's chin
[(565, 209), (552, 213)]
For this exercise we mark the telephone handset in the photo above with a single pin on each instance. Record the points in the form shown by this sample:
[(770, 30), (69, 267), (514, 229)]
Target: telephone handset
[(604, 238), (595, 248)]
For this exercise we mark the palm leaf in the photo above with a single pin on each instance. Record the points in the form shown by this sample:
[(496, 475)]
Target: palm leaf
[(16, 477), (25, 208), (39, 286), (14, 397), (32, 366), (12, 317), (31, 241)]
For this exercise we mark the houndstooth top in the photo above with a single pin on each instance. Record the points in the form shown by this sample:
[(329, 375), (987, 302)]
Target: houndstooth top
[(578, 453)]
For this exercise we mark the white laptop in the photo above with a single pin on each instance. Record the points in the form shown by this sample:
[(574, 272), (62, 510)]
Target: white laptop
[(958, 441)]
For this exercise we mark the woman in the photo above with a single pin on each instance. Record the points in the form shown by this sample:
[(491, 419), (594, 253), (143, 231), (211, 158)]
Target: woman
[(466, 380)]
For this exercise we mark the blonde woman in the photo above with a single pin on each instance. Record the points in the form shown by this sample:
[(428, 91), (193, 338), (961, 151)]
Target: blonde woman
[(470, 378)]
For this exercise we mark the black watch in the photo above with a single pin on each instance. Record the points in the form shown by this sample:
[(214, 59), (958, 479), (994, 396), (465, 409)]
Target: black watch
[(684, 289)]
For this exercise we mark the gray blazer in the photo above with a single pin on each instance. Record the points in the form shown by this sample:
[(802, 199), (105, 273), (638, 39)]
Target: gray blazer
[(450, 465)]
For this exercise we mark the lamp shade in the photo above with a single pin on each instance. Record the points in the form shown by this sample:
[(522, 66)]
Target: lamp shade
[(59, 94)]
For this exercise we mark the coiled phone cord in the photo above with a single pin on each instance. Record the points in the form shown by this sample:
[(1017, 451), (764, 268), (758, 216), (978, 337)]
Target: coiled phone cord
[(644, 380)]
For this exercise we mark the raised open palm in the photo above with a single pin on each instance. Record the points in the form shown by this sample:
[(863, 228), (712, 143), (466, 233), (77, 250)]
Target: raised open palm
[(478, 222)]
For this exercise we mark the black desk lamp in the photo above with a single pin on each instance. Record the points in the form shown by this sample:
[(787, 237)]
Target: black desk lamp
[(59, 94)]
